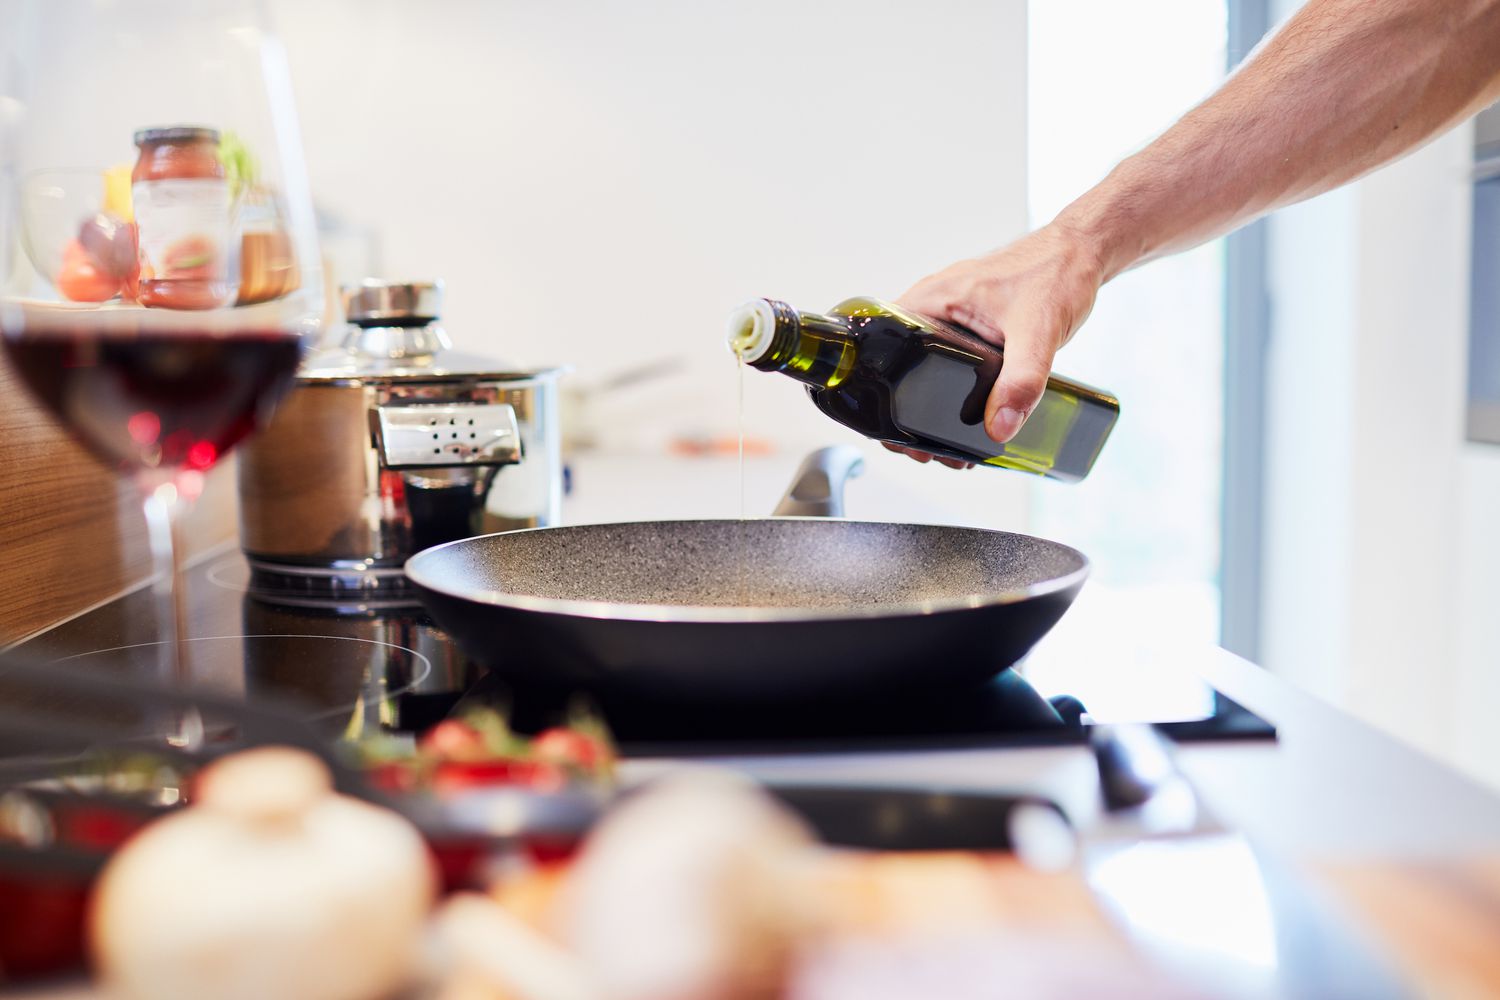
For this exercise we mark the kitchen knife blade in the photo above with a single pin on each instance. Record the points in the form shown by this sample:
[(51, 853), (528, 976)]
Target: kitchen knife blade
[(1206, 904)]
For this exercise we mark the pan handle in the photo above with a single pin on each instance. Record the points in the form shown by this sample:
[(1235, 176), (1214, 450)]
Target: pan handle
[(818, 488)]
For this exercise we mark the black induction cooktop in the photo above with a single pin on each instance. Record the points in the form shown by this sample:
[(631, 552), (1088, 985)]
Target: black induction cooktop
[(354, 664)]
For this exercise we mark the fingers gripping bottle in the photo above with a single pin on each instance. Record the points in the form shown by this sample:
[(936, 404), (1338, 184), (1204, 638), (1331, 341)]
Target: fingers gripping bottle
[(896, 376)]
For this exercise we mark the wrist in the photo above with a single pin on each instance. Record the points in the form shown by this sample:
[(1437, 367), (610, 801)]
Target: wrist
[(1101, 233)]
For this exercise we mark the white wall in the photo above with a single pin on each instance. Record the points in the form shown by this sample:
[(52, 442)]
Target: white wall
[(1383, 572), (599, 182), (1476, 687), (1309, 476)]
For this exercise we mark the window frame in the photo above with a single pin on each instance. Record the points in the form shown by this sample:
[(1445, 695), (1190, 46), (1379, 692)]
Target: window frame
[(1247, 334)]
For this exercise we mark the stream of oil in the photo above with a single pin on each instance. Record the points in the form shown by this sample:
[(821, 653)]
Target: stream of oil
[(740, 360), (741, 542)]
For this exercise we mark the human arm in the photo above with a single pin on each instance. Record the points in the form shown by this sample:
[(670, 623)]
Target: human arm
[(1344, 87)]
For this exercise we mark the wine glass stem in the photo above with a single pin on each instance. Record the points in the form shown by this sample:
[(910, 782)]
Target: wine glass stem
[(164, 505)]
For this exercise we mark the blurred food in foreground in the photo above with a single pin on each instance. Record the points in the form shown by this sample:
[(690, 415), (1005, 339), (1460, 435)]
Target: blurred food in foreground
[(701, 887), (480, 749), (269, 885), (692, 888)]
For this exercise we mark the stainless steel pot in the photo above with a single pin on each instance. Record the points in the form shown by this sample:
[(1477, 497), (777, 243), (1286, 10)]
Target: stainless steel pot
[(392, 443)]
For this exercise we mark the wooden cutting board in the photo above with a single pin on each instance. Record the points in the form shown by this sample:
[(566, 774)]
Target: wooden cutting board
[(951, 925), (1439, 919), (967, 916)]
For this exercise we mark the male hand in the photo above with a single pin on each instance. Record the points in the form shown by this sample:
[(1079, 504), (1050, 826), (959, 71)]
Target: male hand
[(1029, 297)]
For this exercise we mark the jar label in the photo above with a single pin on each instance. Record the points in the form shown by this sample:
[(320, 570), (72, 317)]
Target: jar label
[(185, 228)]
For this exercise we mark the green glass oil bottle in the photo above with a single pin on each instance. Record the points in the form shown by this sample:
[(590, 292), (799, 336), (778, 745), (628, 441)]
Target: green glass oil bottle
[(895, 376)]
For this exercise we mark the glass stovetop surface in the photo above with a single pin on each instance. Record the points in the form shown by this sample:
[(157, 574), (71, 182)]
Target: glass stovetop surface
[(350, 667)]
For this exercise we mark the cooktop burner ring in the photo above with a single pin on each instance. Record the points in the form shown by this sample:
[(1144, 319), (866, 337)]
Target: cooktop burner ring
[(313, 589), (422, 667)]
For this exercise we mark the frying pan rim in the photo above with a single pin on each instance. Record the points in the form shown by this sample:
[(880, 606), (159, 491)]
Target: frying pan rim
[(712, 614)]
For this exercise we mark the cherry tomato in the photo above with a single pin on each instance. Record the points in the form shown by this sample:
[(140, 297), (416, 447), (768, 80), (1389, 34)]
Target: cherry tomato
[(42, 922), (97, 829), (451, 776), (460, 862), (571, 748), (454, 738), (81, 279), (551, 850), (394, 776)]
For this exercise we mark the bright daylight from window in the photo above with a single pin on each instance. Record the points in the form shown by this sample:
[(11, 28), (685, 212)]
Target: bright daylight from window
[(1104, 80)]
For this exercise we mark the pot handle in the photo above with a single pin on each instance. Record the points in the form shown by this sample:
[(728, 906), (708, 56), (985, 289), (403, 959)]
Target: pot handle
[(424, 435), (818, 488)]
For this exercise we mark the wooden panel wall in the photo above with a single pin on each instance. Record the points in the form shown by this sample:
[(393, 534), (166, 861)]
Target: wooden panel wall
[(72, 534)]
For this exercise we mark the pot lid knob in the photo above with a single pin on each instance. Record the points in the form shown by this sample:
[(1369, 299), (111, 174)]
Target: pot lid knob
[(374, 302), (394, 321)]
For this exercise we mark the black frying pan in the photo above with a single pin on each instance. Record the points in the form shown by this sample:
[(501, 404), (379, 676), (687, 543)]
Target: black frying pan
[(766, 608)]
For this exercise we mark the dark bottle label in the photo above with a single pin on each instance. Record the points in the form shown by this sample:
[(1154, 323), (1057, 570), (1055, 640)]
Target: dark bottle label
[(922, 403)]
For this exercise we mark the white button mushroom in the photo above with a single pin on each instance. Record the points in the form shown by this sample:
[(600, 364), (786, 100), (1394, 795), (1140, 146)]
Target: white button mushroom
[(271, 885)]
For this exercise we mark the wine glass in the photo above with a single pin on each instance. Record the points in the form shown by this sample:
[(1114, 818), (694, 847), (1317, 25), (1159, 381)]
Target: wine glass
[(159, 270)]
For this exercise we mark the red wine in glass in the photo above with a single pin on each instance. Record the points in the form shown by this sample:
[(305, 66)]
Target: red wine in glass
[(144, 399), (161, 398)]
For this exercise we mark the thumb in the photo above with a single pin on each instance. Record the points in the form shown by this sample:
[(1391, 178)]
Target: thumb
[(1023, 378)]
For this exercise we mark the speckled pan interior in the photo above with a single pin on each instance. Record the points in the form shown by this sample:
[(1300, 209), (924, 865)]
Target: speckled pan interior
[(756, 563)]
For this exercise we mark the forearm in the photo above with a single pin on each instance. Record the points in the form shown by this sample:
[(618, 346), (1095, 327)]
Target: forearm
[(1344, 87)]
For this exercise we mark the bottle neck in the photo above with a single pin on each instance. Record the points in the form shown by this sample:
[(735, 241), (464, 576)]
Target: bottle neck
[(810, 347)]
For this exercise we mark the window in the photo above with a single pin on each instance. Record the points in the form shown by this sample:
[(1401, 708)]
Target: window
[(1484, 318), (1103, 81)]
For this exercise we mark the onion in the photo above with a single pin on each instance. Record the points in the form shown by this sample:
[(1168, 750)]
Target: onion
[(692, 888), (271, 885)]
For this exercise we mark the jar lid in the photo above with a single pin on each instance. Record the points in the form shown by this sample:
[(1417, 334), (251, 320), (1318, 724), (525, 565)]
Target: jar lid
[(176, 133)]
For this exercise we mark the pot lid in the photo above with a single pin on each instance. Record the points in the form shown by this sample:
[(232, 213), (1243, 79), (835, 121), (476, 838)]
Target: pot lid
[(393, 335)]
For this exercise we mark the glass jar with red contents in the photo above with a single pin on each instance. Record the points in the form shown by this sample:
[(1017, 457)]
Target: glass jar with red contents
[(186, 219)]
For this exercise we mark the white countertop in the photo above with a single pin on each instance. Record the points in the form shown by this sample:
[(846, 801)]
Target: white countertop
[(1330, 787)]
